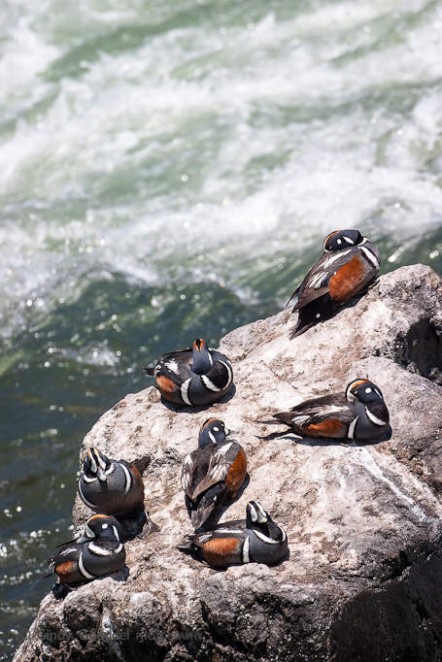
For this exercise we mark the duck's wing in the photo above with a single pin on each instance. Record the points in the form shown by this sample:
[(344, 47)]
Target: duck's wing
[(328, 416), (171, 363), (316, 282), (194, 469), (222, 459), (65, 563)]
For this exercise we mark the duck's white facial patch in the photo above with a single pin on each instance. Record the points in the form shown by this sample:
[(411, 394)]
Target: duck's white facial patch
[(216, 429), (368, 389), (348, 240), (88, 531), (339, 242), (105, 526)]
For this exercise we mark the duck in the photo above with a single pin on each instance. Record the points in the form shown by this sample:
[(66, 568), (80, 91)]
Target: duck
[(347, 268), (360, 414), (115, 487), (255, 539), (213, 474), (192, 377), (97, 552)]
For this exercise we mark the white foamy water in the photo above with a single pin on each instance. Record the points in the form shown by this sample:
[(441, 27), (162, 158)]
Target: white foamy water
[(135, 136)]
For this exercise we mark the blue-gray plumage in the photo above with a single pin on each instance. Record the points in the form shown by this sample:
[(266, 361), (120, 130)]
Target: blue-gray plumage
[(257, 539), (96, 553), (194, 376), (361, 414)]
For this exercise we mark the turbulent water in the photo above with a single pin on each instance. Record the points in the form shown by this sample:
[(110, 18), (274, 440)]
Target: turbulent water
[(168, 170)]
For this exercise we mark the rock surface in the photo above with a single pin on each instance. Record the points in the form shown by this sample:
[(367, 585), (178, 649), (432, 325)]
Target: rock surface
[(364, 577)]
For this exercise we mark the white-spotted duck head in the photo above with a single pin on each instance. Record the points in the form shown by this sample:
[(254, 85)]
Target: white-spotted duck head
[(363, 390), (212, 431), (341, 239)]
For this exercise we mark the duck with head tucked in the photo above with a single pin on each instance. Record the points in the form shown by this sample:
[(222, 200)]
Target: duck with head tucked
[(97, 552), (349, 265), (194, 376), (115, 487), (256, 539)]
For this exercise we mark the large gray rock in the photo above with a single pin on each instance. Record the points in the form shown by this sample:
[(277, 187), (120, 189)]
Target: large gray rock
[(364, 577)]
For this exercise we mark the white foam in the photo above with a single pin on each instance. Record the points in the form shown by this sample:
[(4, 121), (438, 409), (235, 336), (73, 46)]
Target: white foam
[(204, 144)]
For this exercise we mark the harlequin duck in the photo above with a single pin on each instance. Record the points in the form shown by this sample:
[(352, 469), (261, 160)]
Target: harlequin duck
[(114, 487), (257, 539), (96, 553), (213, 474), (194, 376), (361, 415), (348, 267)]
